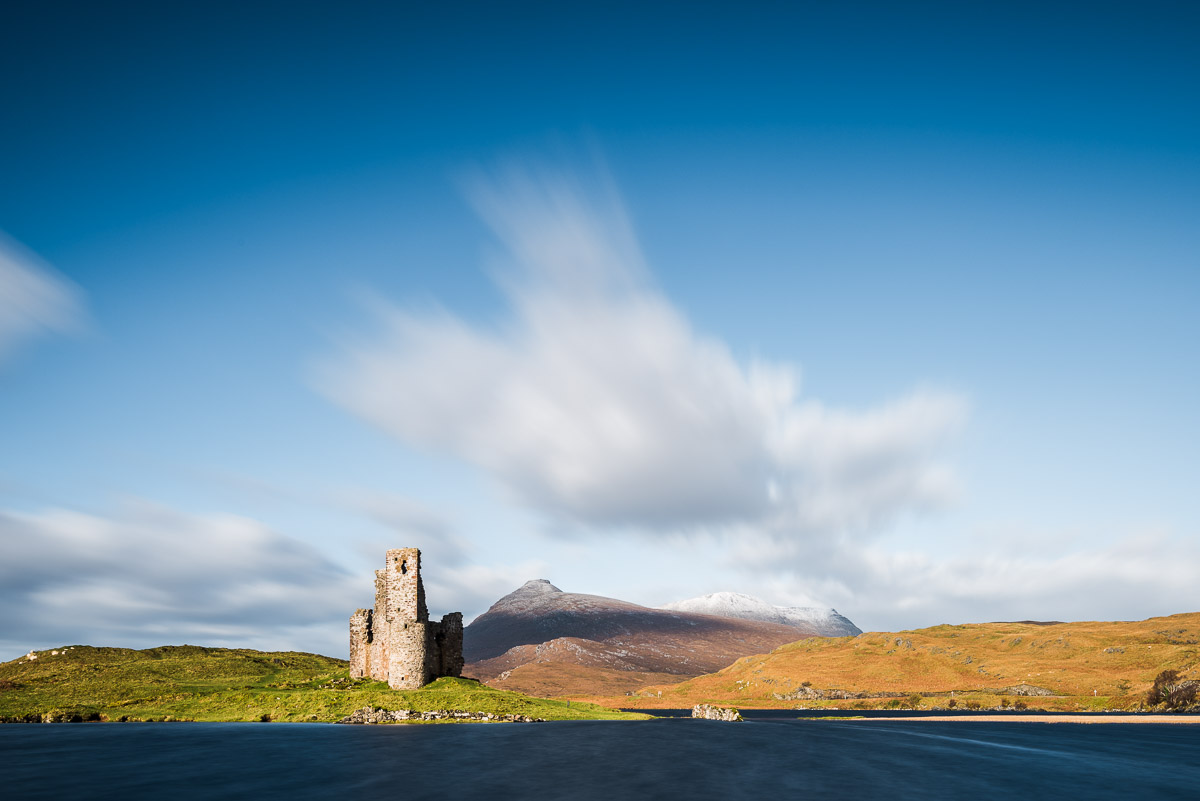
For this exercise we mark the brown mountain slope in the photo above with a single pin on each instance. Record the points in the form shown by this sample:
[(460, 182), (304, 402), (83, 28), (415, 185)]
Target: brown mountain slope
[(549, 642), (1108, 664)]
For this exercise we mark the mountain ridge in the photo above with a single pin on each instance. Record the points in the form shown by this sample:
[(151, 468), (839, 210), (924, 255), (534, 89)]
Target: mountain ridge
[(541, 638), (824, 622)]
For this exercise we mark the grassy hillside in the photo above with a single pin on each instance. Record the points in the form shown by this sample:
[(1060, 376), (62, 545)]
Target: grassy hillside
[(219, 684), (1085, 665)]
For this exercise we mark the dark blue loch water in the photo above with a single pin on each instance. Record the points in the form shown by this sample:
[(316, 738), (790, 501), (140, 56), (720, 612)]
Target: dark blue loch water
[(669, 758)]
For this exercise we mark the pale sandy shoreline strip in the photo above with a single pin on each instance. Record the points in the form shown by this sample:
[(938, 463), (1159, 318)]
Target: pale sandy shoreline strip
[(1043, 718)]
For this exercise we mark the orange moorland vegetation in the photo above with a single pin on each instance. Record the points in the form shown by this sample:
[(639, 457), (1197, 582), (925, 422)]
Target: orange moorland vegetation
[(565, 680), (1048, 666)]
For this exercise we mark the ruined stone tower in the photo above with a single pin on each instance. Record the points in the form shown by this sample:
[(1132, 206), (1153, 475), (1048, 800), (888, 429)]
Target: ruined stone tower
[(396, 642)]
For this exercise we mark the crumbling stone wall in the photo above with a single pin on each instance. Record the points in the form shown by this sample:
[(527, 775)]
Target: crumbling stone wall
[(360, 653), (396, 642), (446, 659), (378, 651)]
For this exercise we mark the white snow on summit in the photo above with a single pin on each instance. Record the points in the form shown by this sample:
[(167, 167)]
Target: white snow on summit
[(824, 622)]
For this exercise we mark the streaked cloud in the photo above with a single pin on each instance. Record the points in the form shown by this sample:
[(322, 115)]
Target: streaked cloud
[(148, 575), (1133, 577), (596, 402), (455, 575), (34, 300)]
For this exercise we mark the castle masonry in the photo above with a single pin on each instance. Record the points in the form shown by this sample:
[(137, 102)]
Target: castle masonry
[(396, 642)]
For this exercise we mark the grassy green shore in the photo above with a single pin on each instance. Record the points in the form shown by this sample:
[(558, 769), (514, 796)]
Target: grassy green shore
[(219, 684)]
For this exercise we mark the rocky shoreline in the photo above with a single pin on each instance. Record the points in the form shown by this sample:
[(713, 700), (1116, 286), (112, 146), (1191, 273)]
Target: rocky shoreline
[(1169, 718), (370, 715)]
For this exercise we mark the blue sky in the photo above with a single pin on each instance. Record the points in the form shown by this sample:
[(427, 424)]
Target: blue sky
[(886, 308)]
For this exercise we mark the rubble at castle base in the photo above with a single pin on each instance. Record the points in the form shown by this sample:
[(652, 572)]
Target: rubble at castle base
[(396, 641), (370, 715)]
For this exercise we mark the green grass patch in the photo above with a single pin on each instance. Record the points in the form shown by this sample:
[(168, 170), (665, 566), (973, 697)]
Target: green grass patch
[(221, 684)]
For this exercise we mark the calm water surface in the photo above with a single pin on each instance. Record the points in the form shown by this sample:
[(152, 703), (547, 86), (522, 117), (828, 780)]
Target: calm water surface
[(693, 759)]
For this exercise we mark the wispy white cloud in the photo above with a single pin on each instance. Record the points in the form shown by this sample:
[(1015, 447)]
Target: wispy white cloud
[(1138, 576), (410, 522), (34, 300), (149, 575), (455, 575), (597, 403)]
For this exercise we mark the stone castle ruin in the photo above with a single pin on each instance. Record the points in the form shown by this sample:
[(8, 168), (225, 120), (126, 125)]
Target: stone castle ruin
[(396, 642)]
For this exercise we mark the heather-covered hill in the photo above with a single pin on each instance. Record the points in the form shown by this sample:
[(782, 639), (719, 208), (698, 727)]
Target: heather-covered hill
[(1058, 665)]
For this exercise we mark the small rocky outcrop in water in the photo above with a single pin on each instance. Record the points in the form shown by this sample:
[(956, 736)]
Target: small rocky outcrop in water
[(710, 712), (370, 715)]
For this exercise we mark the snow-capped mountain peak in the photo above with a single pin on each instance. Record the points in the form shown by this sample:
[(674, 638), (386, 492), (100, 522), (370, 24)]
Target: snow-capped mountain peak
[(825, 622)]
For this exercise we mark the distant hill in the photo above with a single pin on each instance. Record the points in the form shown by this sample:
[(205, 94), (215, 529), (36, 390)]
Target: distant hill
[(1051, 665), (808, 619), (539, 639), (222, 684)]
